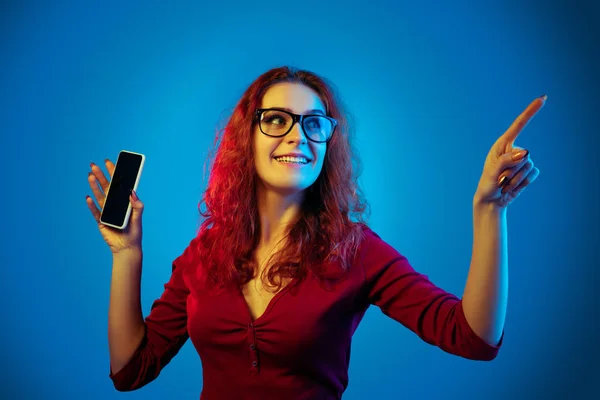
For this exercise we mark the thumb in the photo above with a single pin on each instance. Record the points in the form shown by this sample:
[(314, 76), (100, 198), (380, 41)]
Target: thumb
[(137, 207)]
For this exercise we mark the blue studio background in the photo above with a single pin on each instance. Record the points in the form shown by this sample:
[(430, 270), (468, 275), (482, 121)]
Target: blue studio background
[(431, 88)]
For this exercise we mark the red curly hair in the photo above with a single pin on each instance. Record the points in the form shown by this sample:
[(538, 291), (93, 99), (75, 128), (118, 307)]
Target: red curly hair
[(330, 226)]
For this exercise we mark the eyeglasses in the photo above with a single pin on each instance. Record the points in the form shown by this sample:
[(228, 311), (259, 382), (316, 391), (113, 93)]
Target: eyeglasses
[(276, 122)]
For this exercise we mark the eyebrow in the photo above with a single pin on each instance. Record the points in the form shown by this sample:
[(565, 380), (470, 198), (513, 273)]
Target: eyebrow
[(313, 111)]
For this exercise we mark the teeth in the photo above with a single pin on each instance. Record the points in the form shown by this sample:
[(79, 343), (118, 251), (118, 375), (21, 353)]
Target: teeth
[(288, 159)]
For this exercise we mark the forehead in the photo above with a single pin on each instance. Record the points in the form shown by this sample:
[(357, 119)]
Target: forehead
[(297, 97)]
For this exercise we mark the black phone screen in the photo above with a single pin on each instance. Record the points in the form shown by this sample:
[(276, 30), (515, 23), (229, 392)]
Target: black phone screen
[(122, 182)]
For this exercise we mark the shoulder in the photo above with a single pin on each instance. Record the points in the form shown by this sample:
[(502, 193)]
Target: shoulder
[(373, 244), (190, 256), (186, 266), (376, 255)]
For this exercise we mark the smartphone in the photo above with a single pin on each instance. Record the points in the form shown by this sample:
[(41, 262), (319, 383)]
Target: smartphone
[(126, 176)]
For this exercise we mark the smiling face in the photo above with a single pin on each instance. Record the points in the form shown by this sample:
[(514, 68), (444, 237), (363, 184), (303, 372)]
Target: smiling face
[(289, 175)]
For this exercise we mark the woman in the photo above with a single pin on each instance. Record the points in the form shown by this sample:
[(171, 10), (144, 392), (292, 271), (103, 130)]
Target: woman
[(283, 268)]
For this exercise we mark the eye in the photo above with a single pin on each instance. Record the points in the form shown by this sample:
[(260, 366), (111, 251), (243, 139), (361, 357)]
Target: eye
[(273, 117), (274, 120), (314, 123)]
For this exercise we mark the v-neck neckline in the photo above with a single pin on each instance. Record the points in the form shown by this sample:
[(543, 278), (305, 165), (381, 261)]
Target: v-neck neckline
[(270, 305)]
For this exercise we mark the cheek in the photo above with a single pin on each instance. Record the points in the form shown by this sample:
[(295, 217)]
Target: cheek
[(320, 154), (262, 152), (259, 149)]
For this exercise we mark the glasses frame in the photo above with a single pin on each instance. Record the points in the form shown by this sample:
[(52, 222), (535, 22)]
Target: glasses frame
[(295, 118)]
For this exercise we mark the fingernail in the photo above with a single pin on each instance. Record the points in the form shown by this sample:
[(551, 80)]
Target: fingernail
[(544, 97), (92, 164), (502, 181), (520, 155), (134, 195)]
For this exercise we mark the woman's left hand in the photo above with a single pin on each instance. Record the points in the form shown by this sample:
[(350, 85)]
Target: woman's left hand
[(508, 169)]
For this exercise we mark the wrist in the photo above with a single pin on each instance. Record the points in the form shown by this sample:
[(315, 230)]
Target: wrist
[(129, 254), (487, 208)]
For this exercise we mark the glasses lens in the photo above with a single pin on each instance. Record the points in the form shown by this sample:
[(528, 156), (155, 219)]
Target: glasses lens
[(275, 123), (318, 128)]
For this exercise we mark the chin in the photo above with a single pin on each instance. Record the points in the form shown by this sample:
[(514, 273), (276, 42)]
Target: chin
[(291, 188)]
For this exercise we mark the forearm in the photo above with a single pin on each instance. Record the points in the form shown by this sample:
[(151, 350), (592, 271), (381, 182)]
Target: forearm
[(125, 320), (486, 291)]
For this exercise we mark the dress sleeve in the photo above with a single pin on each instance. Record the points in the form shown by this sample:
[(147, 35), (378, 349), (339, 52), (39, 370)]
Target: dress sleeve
[(166, 331), (410, 298)]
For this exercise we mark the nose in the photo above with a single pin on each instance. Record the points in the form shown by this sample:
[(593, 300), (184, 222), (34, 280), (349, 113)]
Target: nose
[(296, 135)]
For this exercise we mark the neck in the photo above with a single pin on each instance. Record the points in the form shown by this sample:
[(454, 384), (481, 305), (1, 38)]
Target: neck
[(276, 211)]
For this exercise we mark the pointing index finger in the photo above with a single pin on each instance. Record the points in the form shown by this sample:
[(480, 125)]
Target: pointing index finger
[(522, 120)]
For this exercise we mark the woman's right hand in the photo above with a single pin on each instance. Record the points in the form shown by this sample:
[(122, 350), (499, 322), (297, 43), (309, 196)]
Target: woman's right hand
[(118, 240)]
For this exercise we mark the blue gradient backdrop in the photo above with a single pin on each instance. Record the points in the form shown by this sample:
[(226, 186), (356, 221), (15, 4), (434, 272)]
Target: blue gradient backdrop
[(431, 88)]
